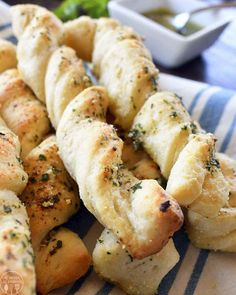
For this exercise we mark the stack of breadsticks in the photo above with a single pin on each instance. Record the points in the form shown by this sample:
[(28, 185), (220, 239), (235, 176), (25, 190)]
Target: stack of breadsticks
[(118, 185)]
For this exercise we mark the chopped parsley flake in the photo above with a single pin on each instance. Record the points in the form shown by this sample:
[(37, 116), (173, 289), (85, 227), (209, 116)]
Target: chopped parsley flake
[(45, 177), (56, 247), (136, 187), (131, 258), (7, 209), (42, 157), (50, 201), (136, 135), (173, 115), (164, 206)]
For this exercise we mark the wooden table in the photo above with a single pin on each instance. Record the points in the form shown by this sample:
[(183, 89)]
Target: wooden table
[(216, 66)]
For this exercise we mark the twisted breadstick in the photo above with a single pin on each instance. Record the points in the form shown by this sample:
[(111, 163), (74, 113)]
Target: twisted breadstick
[(114, 263), (186, 155), (7, 55), (135, 277), (42, 31), (15, 247), (218, 233), (65, 78), (22, 112), (51, 199), (144, 229), (79, 35), (12, 176), (140, 213)]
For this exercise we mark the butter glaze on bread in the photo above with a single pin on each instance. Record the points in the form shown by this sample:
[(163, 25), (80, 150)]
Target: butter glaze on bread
[(132, 209)]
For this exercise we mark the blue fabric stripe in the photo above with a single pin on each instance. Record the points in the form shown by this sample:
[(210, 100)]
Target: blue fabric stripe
[(106, 289), (198, 267), (228, 136), (5, 26), (77, 285), (12, 39), (196, 99), (203, 255), (214, 109), (181, 242), (81, 222)]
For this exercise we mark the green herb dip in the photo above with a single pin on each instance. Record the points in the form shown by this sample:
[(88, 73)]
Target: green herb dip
[(162, 16)]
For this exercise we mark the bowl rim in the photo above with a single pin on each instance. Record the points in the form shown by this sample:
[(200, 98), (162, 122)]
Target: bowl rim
[(154, 25)]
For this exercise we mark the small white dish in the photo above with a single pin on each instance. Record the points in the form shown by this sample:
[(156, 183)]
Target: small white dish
[(167, 47)]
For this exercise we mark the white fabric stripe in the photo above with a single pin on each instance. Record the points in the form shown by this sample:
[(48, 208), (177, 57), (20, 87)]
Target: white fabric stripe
[(226, 121), (202, 102), (6, 33), (185, 271), (218, 276), (180, 86)]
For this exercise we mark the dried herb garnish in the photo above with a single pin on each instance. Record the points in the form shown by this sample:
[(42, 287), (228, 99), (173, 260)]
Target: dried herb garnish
[(56, 247), (7, 209), (136, 135), (174, 114), (131, 258), (136, 187), (164, 206), (45, 177), (193, 127), (212, 163), (50, 201), (154, 83), (42, 157)]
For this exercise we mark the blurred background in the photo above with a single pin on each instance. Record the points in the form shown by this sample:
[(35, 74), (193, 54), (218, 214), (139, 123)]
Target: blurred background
[(216, 65)]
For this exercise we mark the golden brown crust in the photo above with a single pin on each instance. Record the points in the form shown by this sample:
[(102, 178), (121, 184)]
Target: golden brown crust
[(136, 277), (123, 65), (22, 15), (15, 246), (141, 165), (79, 35), (22, 112), (217, 233), (7, 55), (12, 175), (61, 259), (140, 213), (65, 78), (50, 196), (42, 35)]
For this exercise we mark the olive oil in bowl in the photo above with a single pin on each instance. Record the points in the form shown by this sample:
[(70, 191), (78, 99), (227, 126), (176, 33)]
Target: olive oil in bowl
[(163, 15)]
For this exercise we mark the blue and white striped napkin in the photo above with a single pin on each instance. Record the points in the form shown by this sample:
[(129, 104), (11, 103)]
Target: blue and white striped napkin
[(199, 272)]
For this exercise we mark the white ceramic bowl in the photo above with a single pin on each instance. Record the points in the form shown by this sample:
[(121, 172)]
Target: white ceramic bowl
[(169, 48)]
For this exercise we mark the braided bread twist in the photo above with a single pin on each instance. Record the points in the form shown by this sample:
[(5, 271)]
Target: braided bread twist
[(26, 116), (7, 55), (51, 199), (199, 190), (143, 228), (91, 151), (22, 111), (15, 247)]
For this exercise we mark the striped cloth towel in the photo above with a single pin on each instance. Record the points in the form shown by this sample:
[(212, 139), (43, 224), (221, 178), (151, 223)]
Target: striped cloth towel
[(199, 272)]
